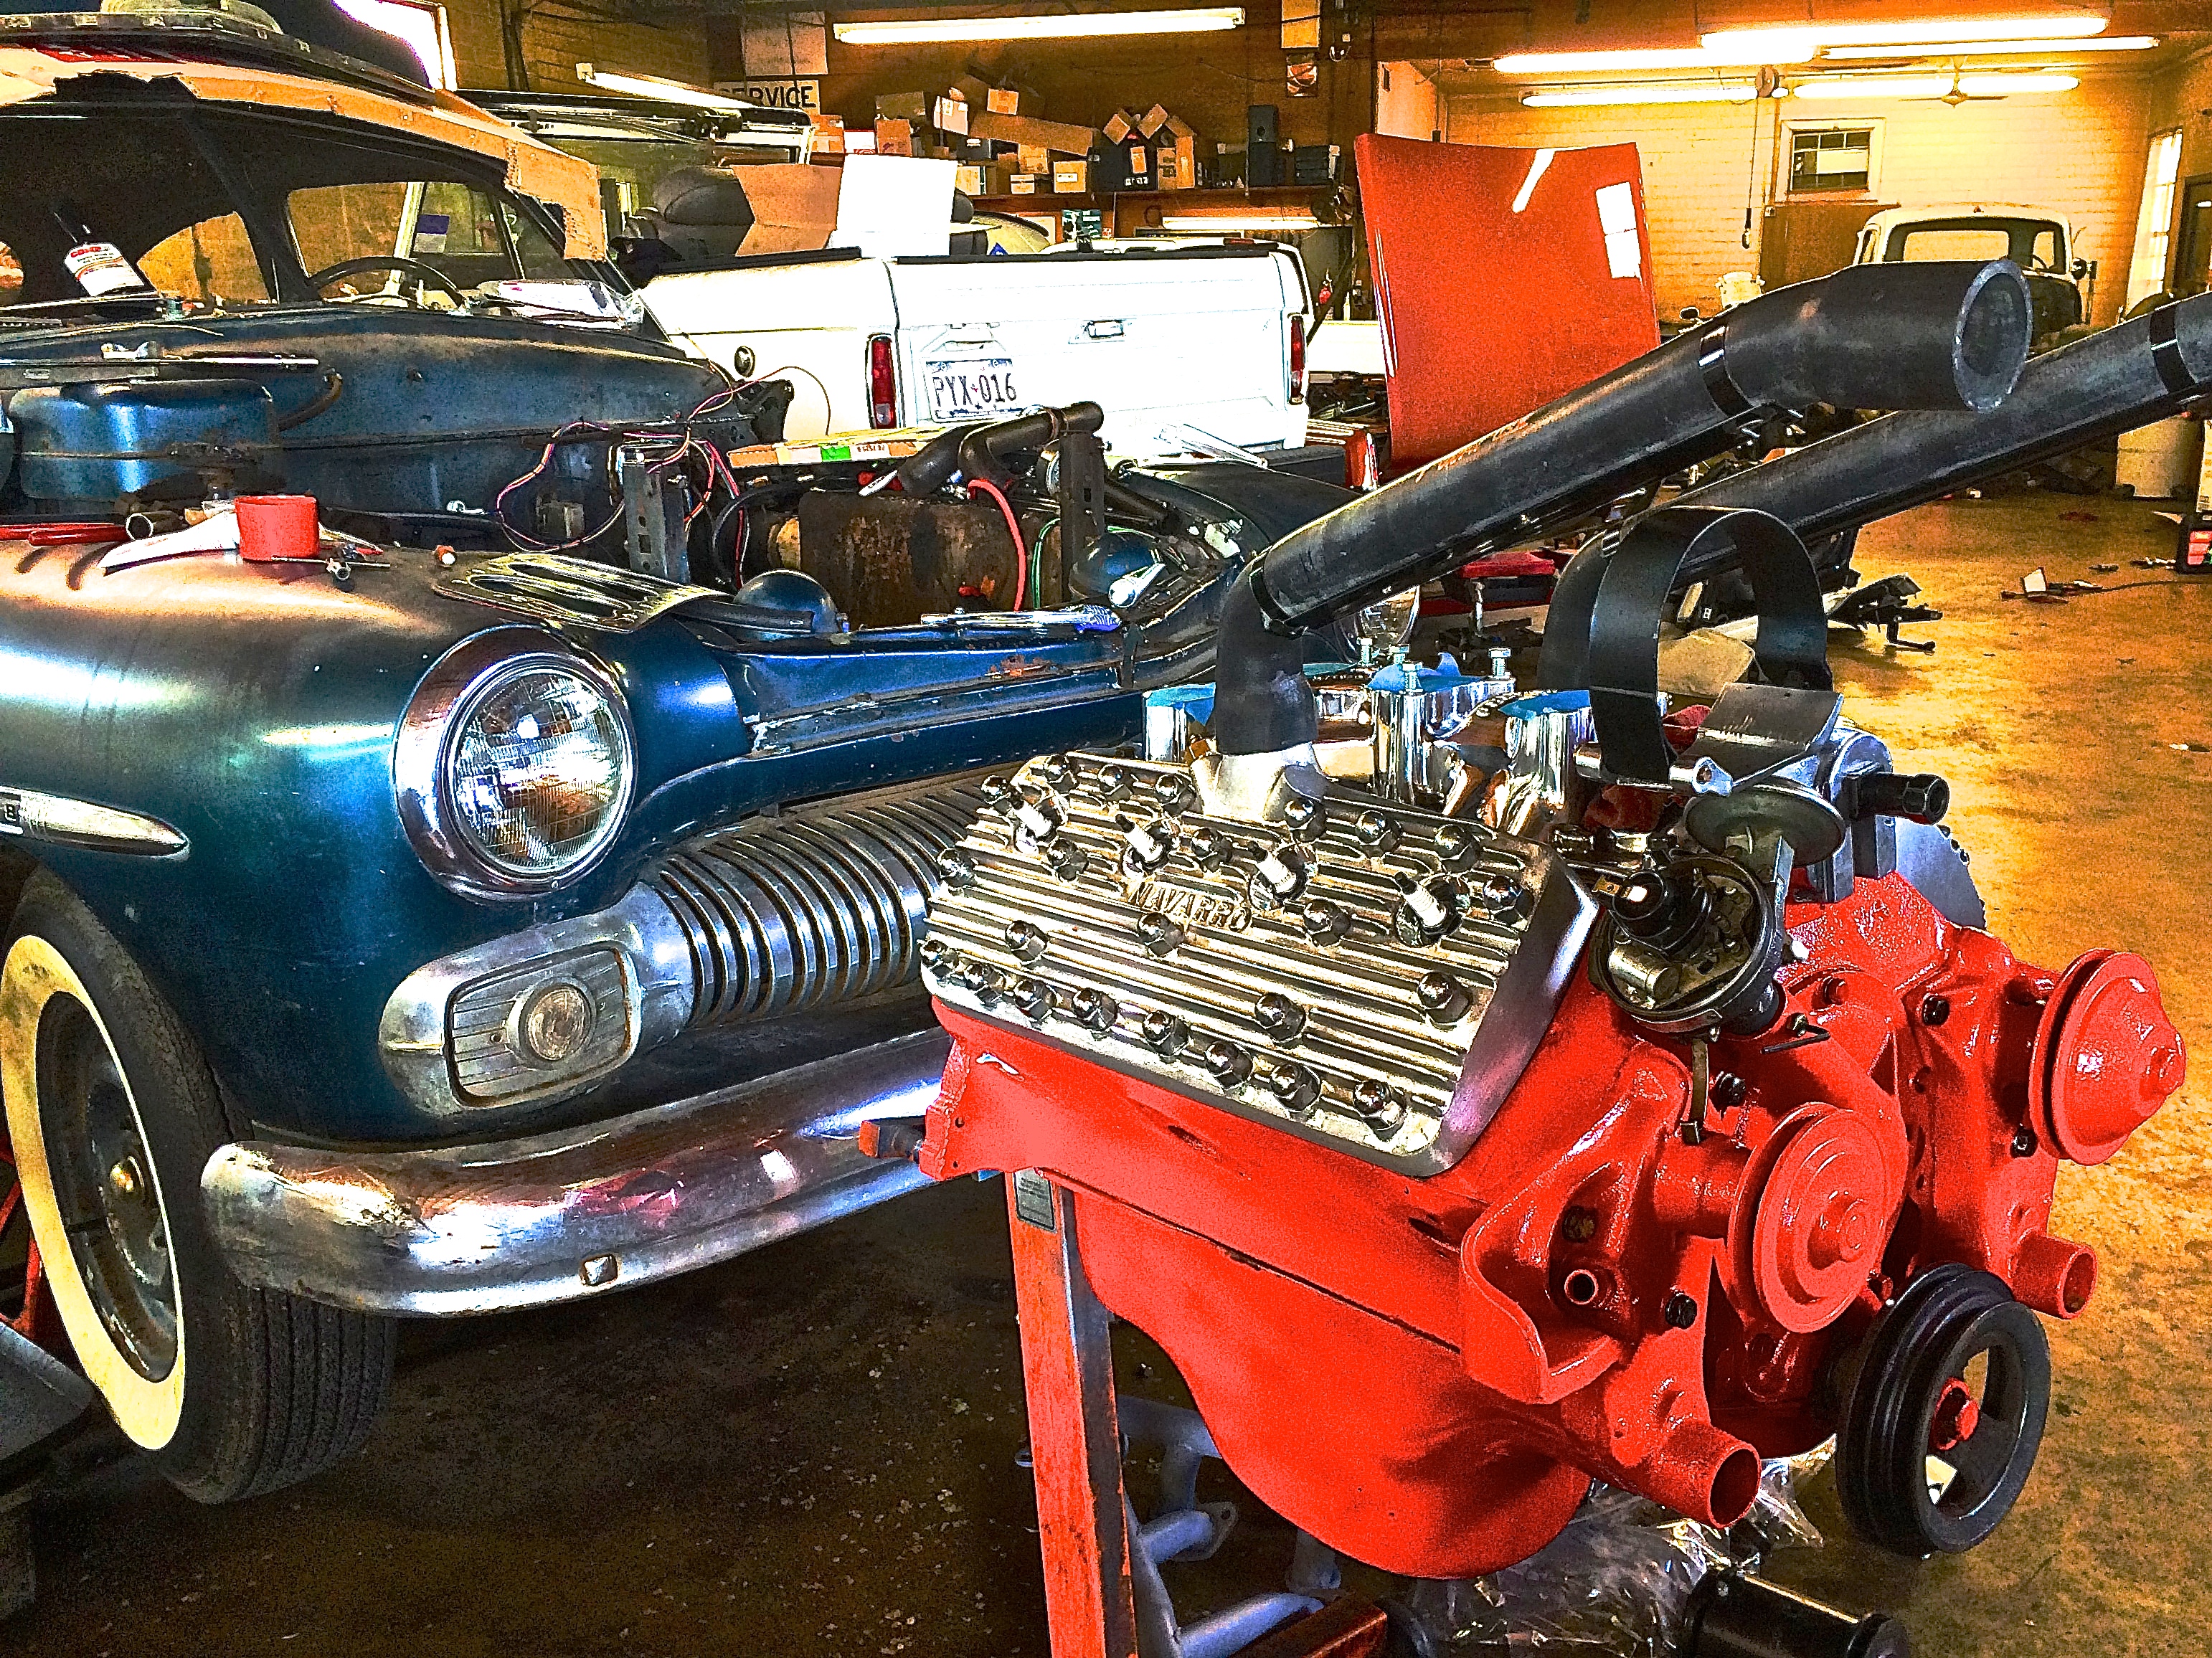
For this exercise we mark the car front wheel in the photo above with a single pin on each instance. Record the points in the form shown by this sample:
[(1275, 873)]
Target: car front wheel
[(111, 1115)]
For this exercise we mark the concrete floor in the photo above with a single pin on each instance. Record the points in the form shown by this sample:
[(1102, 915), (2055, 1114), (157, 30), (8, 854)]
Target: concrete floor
[(811, 1450)]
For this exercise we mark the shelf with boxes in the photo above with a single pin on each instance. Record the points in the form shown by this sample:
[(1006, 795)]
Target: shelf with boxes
[(1003, 147)]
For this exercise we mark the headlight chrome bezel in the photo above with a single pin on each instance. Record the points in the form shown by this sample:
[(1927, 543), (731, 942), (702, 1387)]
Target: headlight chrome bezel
[(456, 685)]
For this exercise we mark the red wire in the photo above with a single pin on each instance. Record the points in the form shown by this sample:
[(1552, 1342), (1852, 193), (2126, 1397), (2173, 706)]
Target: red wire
[(1014, 529)]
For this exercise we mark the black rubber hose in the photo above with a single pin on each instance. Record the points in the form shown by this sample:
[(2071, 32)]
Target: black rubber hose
[(1950, 336), (982, 451), (2125, 377)]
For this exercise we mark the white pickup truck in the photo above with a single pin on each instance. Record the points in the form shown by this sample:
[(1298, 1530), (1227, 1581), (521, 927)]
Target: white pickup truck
[(1196, 339), (1172, 341)]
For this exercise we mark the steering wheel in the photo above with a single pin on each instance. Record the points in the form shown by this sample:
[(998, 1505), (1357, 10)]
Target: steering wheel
[(424, 275)]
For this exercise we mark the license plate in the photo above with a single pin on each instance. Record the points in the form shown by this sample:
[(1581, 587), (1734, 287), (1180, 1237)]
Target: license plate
[(961, 388)]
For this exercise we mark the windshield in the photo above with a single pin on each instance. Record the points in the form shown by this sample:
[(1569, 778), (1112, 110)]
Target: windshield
[(2031, 244), (111, 200)]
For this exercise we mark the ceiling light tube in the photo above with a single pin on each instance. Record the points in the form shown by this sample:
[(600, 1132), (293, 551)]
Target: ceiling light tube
[(2072, 25), (1578, 63), (1930, 86), (2002, 86), (1716, 92), (1222, 224), (924, 30), (2001, 48), (652, 86)]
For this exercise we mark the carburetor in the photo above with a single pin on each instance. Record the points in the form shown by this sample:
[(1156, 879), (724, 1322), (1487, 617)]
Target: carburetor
[(1658, 1106)]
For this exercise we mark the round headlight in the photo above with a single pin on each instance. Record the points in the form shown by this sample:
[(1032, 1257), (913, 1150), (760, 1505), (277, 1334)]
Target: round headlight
[(538, 770), (514, 765)]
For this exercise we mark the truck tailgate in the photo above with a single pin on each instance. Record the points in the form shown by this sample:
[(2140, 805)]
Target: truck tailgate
[(1194, 337)]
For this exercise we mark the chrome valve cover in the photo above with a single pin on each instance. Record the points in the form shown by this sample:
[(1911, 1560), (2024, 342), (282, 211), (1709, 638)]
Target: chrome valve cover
[(1360, 973)]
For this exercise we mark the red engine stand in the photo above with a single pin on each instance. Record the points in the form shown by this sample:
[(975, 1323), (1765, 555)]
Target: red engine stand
[(1075, 1450)]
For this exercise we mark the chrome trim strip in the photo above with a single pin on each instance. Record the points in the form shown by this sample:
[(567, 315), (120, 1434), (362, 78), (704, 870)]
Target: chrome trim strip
[(62, 820), (556, 1216)]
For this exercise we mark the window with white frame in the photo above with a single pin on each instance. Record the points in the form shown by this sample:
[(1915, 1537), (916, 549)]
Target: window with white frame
[(420, 25), (2154, 222), (1834, 159)]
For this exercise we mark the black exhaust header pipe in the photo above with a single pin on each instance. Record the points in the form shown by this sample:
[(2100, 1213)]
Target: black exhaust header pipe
[(1950, 336), (2125, 377)]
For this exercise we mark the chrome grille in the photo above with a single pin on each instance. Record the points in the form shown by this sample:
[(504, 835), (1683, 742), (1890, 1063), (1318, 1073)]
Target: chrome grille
[(816, 905)]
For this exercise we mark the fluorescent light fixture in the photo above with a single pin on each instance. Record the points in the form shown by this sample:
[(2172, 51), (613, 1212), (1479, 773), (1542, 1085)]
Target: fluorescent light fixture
[(1978, 48), (1797, 37), (1711, 92), (652, 86), (1222, 224), (1930, 86), (1198, 20), (1578, 62)]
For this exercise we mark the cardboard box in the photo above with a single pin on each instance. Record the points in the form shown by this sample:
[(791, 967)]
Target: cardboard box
[(1152, 120), (1175, 147), (1003, 100), (1025, 184), (973, 178), (1070, 178), (972, 89), (1032, 158), (1119, 126), (949, 114), (1057, 136), (894, 138), (794, 207), (902, 106), (829, 135)]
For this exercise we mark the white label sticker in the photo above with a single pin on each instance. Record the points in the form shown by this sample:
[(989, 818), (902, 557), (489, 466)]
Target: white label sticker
[(1616, 218), (99, 268)]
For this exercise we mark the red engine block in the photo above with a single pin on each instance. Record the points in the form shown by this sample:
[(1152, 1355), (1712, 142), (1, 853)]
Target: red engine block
[(1426, 1374)]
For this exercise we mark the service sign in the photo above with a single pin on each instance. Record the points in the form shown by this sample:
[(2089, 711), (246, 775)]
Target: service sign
[(805, 96)]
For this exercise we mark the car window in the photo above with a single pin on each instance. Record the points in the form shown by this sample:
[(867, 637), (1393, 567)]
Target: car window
[(212, 262), (2044, 251), (333, 223), (540, 259), (1975, 242)]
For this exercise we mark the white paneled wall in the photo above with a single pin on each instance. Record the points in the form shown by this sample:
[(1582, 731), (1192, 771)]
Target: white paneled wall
[(2081, 153)]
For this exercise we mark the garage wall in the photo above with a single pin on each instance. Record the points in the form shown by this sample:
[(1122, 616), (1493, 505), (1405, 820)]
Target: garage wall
[(556, 38), (2081, 153)]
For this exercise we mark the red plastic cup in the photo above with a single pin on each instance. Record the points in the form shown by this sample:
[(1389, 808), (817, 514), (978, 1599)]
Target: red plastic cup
[(276, 526)]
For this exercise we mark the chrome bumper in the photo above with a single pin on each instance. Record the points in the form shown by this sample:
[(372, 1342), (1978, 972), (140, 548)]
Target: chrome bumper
[(521, 1223)]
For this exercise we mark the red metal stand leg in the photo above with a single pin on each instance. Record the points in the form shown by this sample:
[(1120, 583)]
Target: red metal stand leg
[(1075, 1441)]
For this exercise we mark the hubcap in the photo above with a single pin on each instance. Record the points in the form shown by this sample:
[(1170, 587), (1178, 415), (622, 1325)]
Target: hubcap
[(110, 1206)]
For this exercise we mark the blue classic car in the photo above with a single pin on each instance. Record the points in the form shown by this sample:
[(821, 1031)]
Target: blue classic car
[(440, 920)]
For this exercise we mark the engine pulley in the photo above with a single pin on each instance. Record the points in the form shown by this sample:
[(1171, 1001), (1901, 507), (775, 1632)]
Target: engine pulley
[(1925, 1463)]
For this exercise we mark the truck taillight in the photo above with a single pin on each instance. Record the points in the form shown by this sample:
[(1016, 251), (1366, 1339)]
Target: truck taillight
[(1298, 364), (883, 382)]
